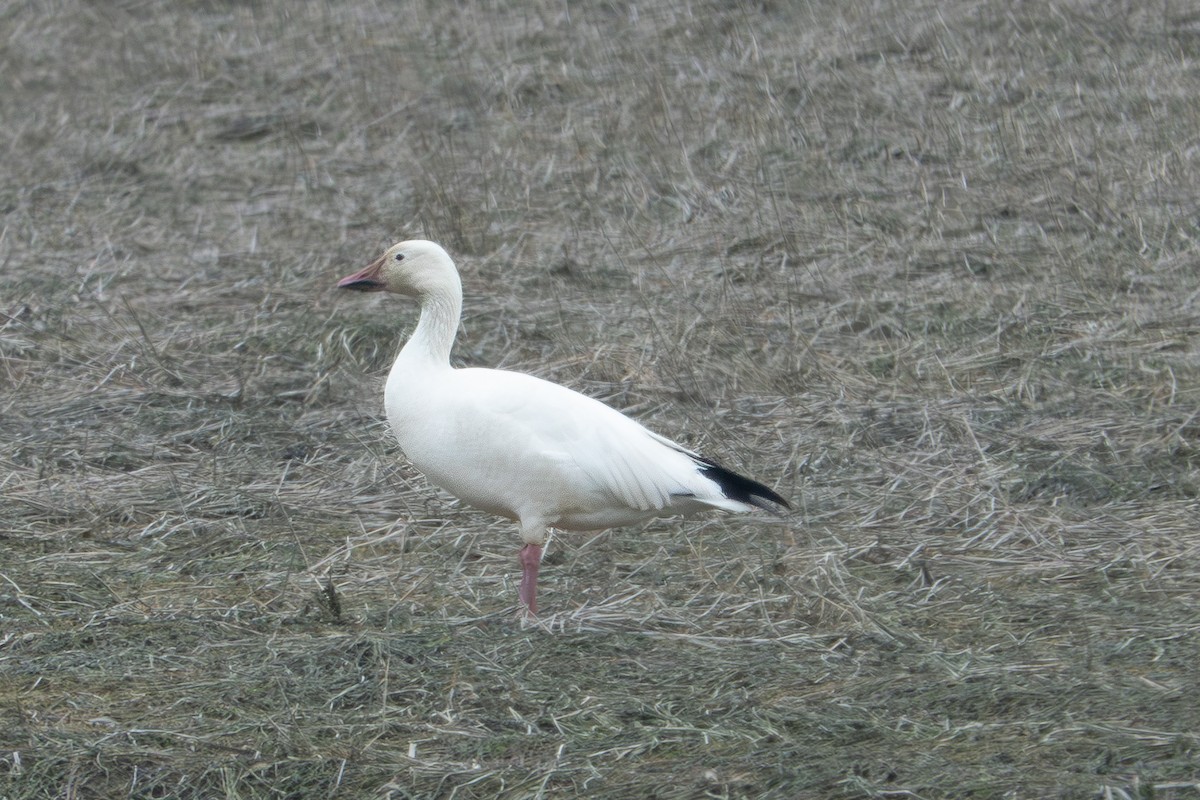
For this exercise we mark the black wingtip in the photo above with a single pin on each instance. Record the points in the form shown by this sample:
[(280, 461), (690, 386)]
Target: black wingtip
[(740, 488)]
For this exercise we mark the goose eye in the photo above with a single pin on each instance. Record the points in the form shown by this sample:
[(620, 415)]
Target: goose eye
[(399, 256)]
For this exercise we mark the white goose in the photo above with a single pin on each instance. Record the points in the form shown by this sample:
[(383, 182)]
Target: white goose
[(524, 448)]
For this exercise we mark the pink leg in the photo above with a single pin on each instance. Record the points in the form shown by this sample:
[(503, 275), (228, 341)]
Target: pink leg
[(531, 559)]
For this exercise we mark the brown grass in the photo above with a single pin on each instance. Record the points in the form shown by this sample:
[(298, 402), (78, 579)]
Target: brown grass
[(930, 269)]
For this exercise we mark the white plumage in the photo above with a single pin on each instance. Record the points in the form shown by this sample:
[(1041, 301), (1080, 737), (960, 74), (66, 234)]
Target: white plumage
[(522, 447)]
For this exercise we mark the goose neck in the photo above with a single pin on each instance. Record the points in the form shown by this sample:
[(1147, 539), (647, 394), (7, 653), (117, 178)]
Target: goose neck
[(435, 331)]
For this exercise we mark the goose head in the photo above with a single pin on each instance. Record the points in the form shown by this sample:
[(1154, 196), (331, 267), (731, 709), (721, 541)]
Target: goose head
[(415, 268)]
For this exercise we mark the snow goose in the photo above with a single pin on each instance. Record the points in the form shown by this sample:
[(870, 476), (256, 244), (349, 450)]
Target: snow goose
[(524, 448)]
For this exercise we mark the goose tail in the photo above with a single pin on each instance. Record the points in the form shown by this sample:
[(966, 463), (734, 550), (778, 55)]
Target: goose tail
[(741, 489)]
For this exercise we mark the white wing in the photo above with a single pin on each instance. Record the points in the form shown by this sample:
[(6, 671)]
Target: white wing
[(618, 456)]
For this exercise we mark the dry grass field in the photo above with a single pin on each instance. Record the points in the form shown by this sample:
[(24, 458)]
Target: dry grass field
[(931, 270)]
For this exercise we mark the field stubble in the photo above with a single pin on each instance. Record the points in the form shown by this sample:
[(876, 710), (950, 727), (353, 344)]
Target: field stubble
[(929, 269)]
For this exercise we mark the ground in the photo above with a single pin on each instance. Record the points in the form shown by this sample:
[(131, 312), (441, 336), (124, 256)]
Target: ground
[(930, 270)]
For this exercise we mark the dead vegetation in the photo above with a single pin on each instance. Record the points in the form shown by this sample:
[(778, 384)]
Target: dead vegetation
[(930, 268)]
